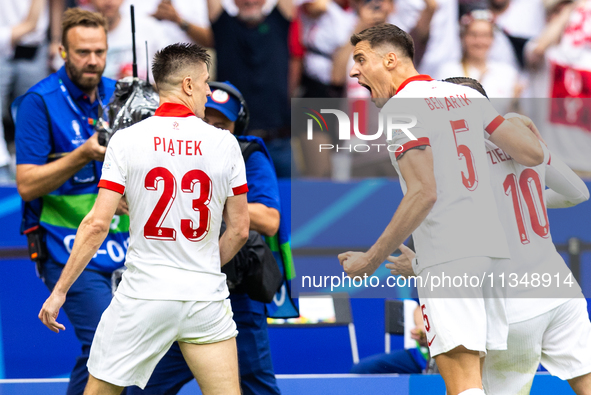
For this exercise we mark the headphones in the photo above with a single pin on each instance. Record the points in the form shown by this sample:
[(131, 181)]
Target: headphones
[(241, 122), (64, 54)]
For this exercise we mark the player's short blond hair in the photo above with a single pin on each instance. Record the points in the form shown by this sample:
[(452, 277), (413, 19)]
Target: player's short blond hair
[(74, 17)]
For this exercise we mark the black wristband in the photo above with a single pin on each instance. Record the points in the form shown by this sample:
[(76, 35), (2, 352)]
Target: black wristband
[(184, 25)]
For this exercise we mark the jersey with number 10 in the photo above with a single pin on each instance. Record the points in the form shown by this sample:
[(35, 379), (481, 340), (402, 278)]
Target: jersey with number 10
[(538, 279), (454, 120), (176, 172)]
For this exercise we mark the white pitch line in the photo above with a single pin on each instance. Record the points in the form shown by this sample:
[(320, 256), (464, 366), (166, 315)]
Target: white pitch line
[(25, 381)]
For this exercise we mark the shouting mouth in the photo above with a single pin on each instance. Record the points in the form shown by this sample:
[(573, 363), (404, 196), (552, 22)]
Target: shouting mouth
[(367, 87)]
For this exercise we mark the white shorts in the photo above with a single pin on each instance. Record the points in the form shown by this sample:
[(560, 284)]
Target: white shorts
[(134, 334), (560, 339), (471, 316)]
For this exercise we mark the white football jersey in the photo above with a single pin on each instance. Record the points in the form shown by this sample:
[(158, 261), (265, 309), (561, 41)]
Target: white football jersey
[(176, 172), (537, 280), (454, 120)]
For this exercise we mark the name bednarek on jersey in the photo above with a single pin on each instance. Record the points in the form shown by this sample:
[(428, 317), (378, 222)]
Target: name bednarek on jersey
[(395, 124)]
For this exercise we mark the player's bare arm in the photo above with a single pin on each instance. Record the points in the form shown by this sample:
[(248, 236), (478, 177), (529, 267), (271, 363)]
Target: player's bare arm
[(566, 188), (34, 181), (263, 219), (237, 223), (515, 138), (286, 8), (214, 9), (416, 167), (418, 332), (201, 35), (28, 24), (90, 235)]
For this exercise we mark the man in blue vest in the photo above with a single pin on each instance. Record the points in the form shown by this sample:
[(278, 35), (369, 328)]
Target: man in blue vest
[(59, 163), (226, 109)]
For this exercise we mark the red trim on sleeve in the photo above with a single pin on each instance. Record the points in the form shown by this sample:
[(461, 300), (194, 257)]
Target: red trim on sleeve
[(494, 124), (240, 190), (31, 229), (549, 158), (112, 186), (420, 77), (412, 144), (173, 110), (294, 39)]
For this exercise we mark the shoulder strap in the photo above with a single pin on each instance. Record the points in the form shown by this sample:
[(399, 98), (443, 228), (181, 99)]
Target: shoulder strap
[(31, 211), (248, 148)]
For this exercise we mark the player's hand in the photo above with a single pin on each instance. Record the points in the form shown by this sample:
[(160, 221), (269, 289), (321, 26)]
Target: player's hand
[(93, 150), (167, 12), (122, 208), (356, 264), (419, 335), (50, 310), (401, 265), (512, 116)]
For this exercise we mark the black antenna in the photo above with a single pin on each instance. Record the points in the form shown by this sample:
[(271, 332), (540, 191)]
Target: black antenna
[(147, 65), (133, 41)]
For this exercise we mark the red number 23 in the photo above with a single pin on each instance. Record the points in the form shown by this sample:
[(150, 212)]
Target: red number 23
[(153, 228)]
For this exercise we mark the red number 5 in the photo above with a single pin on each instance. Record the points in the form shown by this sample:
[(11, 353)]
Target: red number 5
[(153, 228), (471, 181)]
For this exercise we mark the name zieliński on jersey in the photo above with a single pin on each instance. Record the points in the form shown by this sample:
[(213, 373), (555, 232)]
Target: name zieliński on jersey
[(499, 155)]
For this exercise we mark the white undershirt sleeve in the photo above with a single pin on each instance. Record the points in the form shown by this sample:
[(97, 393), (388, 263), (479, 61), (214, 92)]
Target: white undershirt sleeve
[(566, 188)]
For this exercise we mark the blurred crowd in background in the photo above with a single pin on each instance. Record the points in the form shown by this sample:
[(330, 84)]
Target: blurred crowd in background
[(521, 50)]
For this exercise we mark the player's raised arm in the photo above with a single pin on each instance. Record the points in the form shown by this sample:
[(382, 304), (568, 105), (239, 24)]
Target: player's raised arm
[(237, 223), (517, 139), (214, 9), (90, 235), (416, 167), (286, 8), (566, 188)]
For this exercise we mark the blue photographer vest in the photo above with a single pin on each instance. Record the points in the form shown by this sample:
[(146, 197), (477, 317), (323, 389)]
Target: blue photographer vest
[(61, 212)]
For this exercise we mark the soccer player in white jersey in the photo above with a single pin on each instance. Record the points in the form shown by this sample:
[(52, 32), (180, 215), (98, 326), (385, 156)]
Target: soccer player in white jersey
[(543, 326), (447, 198), (548, 323), (180, 176)]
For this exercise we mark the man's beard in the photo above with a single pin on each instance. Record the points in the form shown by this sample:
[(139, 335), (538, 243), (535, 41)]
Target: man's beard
[(86, 84)]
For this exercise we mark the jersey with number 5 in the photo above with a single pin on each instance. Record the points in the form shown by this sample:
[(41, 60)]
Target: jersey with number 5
[(538, 279), (176, 172), (454, 121)]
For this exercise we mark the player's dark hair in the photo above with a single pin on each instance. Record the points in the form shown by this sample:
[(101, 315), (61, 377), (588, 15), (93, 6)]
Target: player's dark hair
[(386, 34), (469, 82), (169, 60)]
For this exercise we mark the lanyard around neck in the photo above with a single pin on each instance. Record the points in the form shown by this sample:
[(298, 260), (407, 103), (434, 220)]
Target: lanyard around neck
[(76, 109)]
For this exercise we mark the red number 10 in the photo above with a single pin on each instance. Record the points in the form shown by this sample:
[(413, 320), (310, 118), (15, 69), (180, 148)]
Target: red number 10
[(537, 212), (153, 228)]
